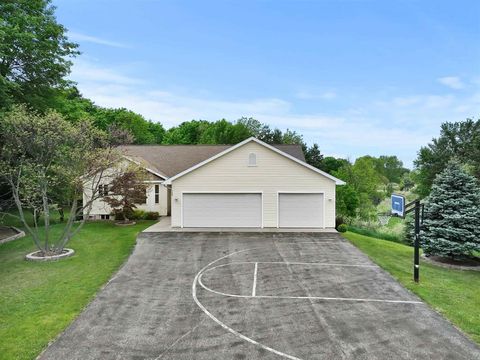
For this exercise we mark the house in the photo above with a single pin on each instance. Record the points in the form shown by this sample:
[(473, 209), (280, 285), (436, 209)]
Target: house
[(250, 184)]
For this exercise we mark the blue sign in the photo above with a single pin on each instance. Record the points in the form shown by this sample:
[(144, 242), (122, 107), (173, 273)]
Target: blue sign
[(398, 205)]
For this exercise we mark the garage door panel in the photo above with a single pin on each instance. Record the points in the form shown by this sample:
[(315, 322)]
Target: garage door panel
[(222, 210), (300, 210)]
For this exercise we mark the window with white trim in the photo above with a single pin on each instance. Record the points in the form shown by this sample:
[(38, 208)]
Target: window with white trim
[(157, 194), (252, 159)]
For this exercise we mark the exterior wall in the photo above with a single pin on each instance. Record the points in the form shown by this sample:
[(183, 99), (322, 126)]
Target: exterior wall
[(101, 208), (272, 174)]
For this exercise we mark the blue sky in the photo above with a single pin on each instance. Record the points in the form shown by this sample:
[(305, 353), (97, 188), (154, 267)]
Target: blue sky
[(357, 77)]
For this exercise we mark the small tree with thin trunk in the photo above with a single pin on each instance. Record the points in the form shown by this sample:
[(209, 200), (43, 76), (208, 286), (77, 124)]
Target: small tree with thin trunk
[(46, 161), (128, 189), (451, 224)]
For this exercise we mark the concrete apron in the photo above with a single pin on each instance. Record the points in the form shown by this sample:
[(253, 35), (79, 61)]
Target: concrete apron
[(164, 225)]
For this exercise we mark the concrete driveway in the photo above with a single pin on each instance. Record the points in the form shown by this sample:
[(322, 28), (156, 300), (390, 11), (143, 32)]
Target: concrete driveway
[(256, 296)]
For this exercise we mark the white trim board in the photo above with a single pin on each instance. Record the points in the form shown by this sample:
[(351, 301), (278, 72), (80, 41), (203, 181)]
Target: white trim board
[(232, 148)]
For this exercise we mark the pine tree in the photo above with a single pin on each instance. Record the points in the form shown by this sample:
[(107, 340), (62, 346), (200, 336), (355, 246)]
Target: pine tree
[(451, 224)]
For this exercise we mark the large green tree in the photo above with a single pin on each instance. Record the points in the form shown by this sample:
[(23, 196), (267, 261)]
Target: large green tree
[(451, 225), (391, 168), (34, 53), (363, 182), (143, 131), (458, 140)]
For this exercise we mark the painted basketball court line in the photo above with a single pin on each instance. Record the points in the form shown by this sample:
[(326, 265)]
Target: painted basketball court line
[(210, 267)]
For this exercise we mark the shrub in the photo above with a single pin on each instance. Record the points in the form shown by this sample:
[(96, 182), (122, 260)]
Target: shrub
[(118, 214), (339, 220), (152, 215), (138, 215), (342, 228)]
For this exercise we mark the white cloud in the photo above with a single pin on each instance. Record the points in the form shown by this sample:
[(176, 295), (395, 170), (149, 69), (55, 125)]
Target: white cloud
[(453, 82), (75, 36), (89, 73), (398, 125), (308, 95)]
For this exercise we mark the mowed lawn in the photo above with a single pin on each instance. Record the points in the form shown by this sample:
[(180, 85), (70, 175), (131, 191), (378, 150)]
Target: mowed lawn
[(453, 293), (39, 300)]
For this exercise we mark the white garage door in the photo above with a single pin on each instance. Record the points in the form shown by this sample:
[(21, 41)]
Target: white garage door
[(222, 210), (300, 210)]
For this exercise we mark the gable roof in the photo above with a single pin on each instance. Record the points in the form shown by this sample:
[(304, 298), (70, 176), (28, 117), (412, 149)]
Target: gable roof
[(169, 160), (273, 148)]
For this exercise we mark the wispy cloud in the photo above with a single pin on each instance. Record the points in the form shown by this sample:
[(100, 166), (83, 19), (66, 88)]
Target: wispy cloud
[(397, 125), (95, 40), (322, 95), (453, 82)]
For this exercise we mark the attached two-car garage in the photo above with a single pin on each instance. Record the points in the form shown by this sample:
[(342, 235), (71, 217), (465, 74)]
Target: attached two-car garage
[(245, 210), (253, 185)]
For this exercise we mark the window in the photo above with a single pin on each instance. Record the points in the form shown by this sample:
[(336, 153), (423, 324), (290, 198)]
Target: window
[(105, 217), (157, 194), (103, 190), (252, 159)]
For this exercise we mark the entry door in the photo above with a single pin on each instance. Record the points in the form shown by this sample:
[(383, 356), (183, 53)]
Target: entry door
[(300, 210), (222, 210)]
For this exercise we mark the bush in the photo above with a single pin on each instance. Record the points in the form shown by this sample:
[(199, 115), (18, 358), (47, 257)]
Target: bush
[(118, 214), (152, 215), (342, 228), (339, 220), (138, 215)]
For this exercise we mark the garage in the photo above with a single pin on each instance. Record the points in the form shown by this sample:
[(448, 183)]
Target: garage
[(222, 210), (301, 210)]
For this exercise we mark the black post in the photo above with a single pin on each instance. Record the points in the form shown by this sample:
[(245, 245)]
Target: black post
[(416, 256)]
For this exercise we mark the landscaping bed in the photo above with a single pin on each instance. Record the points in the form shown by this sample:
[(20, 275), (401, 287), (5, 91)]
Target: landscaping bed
[(38, 300)]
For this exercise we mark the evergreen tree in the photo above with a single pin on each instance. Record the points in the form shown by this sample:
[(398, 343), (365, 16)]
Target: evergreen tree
[(452, 214)]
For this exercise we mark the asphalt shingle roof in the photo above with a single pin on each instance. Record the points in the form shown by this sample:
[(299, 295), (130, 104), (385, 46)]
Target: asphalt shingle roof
[(169, 160)]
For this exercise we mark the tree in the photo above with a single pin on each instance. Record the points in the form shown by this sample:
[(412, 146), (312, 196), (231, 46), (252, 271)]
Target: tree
[(451, 225), (143, 131), (391, 167), (460, 141), (330, 164), (47, 163), (313, 156), (127, 189), (364, 181), (347, 202), (34, 53)]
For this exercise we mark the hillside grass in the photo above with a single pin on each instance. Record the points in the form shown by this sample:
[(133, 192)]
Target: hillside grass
[(453, 293)]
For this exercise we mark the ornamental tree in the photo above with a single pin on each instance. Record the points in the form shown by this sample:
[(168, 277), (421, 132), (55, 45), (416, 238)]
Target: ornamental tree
[(128, 189), (451, 224), (48, 163)]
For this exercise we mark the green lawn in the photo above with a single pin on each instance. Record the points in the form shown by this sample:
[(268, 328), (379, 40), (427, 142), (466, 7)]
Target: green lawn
[(454, 293), (39, 300)]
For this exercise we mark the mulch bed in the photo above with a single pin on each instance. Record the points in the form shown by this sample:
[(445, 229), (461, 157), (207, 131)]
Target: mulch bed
[(6, 232), (461, 264)]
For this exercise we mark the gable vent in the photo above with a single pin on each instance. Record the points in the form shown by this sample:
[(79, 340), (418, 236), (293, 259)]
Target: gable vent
[(252, 159)]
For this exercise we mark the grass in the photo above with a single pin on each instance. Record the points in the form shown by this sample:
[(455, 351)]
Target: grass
[(379, 234), (453, 293), (11, 218), (39, 300)]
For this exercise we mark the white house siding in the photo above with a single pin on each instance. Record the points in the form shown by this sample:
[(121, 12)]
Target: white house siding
[(273, 173), (99, 207)]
